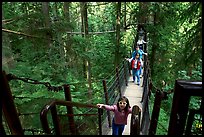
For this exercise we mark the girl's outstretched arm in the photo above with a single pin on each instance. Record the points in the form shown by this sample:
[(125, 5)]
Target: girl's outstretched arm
[(107, 107)]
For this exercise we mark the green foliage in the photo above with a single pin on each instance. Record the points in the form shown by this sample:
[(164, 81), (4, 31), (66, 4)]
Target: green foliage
[(183, 74), (178, 40), (163, 123)]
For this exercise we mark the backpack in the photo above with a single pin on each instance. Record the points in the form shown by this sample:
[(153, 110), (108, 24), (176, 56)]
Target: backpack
[(138, 64)]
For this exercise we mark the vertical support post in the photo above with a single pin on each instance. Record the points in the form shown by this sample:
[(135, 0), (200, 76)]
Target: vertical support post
[(179, 109), (55, 120), (70, 109), (100, 112), (155, 113), (9, 108), (190, 121), (106, 99)]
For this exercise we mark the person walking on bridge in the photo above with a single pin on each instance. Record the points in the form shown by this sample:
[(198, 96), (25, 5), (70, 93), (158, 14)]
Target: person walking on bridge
[(141, 43), (137, 63), (121, 111), (141, 33), (141, 53)]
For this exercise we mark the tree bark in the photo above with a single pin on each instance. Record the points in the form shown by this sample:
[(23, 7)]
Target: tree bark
[(124, 15), (45, 11), (155, 45), (87, 63), (117, 55), (68, 44)]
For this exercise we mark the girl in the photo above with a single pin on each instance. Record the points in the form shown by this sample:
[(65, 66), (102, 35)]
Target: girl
[(121, 111), (137, 63), (141, 53)]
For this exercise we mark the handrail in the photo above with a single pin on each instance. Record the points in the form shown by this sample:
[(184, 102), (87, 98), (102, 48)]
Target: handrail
[(52, 107)]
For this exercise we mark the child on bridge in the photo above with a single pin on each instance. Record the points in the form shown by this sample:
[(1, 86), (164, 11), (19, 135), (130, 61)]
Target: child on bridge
[(141, 53), (141, 42), (121, 111), (137, 63)]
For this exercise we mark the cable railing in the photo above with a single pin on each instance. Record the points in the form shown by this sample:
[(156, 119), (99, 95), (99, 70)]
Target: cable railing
[(24, 127)]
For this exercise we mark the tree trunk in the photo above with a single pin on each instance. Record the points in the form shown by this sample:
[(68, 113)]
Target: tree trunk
[(155, 45), (7, 55), (142, 12), (117, 55), (87, 63), (45, 11), (83, 31), (124, 15), (67, 45)]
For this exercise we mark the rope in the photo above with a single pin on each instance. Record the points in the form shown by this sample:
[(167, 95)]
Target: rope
[(31, 81)]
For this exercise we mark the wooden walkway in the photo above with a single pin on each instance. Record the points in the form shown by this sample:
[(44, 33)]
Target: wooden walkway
[(134, 94)]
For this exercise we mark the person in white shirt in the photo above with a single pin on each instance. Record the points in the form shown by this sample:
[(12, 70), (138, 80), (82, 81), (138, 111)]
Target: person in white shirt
[(140, 43)]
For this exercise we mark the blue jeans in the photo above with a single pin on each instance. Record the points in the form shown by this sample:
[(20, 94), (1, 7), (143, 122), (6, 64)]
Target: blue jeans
[(117, 129), (141, 46), (140, 71), (136, 73), (133, 75)]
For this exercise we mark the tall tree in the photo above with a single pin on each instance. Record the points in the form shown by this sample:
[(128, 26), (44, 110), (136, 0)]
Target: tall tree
[(7, 56), (154, 37), (87, 64), (117, 48), (45, 11), (68, 43)]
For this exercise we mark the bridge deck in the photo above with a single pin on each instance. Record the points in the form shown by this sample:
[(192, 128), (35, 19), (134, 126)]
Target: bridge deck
[(134, 94)]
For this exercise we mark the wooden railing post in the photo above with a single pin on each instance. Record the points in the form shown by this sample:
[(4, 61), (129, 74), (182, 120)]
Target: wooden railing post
[(106, 99), (100, 112), (9, 108), (70, 109), (183, 90), (55, 120), (155, 112)]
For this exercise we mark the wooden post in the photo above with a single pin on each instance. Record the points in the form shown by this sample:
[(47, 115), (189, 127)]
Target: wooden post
[(155, 112), (55, 120), (100, 112), (183, 91), (9, 108), (106, 99), (70, 109)]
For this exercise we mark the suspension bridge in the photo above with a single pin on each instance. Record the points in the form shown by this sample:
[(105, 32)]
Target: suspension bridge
[(95, 121), (69, 117)]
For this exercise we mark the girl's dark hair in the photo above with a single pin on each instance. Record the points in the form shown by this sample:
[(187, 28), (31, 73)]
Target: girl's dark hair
[(123, 98)]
